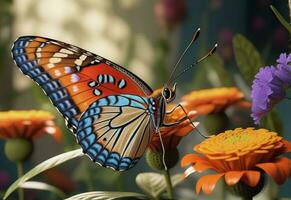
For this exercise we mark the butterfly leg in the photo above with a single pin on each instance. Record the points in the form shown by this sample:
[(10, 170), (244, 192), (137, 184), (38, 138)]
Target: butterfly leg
[(186, 117), (177, 122)]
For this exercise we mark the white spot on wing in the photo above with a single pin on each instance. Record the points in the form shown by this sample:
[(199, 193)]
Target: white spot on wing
[(83, 57), (68, 70), (55, 60), (61, 55), (75, 78), (75, 88), (51, 65), (97, 92), (66, 51), (57, 72), (78, 62)]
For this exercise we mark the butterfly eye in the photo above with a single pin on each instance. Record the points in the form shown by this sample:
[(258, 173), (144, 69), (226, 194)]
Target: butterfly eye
[(166, 93)]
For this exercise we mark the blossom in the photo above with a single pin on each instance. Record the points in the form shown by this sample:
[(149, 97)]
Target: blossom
[(284, 69), (240, 155), (27, 124), (196, 103), (269, 87), (213, 100)]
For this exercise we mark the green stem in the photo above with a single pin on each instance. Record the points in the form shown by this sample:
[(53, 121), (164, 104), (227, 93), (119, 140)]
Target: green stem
[(223, 191), (20, 174), (169, 184)]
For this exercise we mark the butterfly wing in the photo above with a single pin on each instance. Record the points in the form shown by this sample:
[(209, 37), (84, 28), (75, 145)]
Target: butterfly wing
[(106, 105), (115, 130), (73, 78)]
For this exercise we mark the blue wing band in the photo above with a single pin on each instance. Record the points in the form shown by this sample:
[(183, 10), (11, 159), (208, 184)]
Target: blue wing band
[(88, 140), (58, 94)]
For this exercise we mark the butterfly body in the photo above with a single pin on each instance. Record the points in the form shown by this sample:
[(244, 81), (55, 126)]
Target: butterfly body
[(112, 112)]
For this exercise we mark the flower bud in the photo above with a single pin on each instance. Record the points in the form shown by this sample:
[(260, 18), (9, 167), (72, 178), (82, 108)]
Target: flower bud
[(18, 149)]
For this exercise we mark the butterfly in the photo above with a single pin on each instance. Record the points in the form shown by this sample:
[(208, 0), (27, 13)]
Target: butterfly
[(112, 112)]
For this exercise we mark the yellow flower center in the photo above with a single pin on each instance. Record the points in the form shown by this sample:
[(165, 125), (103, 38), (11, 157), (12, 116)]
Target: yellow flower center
[(236, 139), (233, 144)]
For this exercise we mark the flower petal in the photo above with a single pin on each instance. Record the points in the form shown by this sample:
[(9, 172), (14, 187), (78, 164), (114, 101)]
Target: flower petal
[(251, 177), (190, 159), (183, 131), (284, 166), (272, 170), (287, 145), (233, 177), (55, 131), (190, 170), (202, 166), (205, 109), (208, 183)]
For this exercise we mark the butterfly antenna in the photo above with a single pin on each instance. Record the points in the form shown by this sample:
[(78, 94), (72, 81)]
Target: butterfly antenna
[(210, 53), (194, 38)]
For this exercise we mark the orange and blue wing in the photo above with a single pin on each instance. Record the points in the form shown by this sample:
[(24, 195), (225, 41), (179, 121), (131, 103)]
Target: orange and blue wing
[(73, 78), (106, 105)]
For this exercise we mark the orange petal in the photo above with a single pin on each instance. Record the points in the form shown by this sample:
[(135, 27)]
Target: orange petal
[(243, 104), (208, 183), (184, 131), (233, 177), (272, 170), (287, 145), (284, 166), (190, 170), (202, 166), (54, 131), (190, 159), (251, 177), (205, 109)]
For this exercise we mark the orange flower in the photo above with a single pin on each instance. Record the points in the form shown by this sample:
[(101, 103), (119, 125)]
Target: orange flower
[(213, 100), (27, 124), (172, 135), (240, 155)]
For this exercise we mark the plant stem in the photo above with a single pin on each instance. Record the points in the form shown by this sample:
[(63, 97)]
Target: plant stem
[(169, 184), (20, 174), (223, 191)]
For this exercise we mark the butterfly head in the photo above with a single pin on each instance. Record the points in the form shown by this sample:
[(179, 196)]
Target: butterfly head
[(169, 93)]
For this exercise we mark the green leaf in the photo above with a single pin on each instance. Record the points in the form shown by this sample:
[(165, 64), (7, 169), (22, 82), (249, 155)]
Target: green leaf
[(247, 57), (43, 186), (103, 195), (154, 183), (281, 19), (48, 164)]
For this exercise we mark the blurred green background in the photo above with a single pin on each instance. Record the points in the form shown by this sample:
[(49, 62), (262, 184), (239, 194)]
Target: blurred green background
[(133, 34)]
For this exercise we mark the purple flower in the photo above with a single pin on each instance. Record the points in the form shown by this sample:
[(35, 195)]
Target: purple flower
[(284, 69), (269, 86)]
